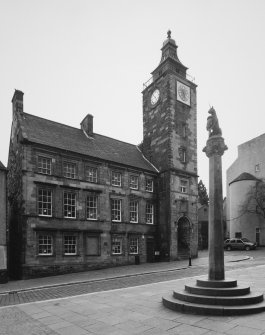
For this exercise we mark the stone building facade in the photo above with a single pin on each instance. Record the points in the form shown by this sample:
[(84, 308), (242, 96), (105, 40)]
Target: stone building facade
[(3, 225), (246, 170), (79, 200), (170, 143)]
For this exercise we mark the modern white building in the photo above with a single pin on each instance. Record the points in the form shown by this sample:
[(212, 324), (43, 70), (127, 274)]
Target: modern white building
[(246, 170)]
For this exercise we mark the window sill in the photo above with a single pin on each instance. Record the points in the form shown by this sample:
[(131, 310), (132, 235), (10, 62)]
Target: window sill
[(71, 255), (45, 255), (45, 174)]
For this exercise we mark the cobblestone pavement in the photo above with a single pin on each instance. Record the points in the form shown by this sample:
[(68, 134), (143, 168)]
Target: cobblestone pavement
[(53, 292), (130, 311)]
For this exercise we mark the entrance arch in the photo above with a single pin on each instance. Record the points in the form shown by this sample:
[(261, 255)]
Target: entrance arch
[(183, 232)]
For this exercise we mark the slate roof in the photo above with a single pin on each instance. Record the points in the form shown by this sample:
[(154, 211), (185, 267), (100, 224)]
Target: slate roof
[(53, 134), (244, 176)]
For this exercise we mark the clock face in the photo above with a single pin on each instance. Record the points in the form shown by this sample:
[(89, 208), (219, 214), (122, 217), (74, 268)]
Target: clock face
[(155, 96), (183, 93)]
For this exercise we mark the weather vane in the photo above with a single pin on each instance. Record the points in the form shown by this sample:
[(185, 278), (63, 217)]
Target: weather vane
[(169, 34)]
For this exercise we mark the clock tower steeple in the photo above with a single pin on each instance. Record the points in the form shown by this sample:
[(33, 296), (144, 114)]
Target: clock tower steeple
[(170, 143)]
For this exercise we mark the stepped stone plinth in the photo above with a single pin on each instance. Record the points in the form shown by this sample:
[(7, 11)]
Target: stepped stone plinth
[(219, 297), (215, 295)]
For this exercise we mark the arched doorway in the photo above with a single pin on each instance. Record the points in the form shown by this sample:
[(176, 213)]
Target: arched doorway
[(183, 232)]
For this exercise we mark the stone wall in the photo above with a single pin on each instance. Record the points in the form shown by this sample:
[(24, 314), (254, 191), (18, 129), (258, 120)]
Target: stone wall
[(32, 224), (3, 226)]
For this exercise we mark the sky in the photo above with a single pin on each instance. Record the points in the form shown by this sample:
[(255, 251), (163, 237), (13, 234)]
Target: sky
[(74, 57)]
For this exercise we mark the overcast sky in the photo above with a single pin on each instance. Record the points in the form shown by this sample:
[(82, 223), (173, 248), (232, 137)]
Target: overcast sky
[(73, 57)]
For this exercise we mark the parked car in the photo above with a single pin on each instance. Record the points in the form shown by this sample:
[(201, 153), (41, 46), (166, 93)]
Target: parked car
[(239, 244)]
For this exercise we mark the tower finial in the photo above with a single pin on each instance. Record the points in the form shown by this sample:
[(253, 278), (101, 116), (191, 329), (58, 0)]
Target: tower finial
[(169, 34)]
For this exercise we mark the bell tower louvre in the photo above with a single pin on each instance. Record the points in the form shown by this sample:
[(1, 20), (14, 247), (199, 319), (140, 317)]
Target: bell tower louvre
[(170, 143)]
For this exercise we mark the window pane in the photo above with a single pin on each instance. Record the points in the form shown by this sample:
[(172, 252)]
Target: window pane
[(44, 165), (70, 245), (69, 205), (149, 185), (149, 213), (134, 182), (92, 207), (69, 170), (116, 179), (91, 174), (116, 245), (183, 186), (133, 245), (116, 210), (45, 202), (134, 211), (45, 245)]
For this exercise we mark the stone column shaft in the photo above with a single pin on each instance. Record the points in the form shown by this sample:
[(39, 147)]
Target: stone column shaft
[(214, 149), (216, 234)]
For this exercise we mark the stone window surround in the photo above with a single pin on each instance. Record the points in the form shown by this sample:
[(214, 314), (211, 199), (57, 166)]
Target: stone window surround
[(69, 169), (116, 245), (183, 154), (149, 213), (116, 178), (44, 164), (68, 206), (91, 173), (92, 199), (71, 247), (44, 205), (149, 184), (116, 209), (48, 238), (133, 245), (183, 185), (134, 211), (133, 182)]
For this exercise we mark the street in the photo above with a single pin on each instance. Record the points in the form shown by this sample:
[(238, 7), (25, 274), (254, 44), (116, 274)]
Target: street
[(127, 304), (240, 259)]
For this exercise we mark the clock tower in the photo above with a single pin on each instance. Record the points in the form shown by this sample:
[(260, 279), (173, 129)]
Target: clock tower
[(170, 143)]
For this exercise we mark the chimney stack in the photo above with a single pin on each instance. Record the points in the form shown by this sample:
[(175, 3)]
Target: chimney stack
[(87, 125), (17, 102)]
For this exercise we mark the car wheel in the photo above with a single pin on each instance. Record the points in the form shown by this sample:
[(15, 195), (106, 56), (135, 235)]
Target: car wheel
[(247, 248), (228, 248)]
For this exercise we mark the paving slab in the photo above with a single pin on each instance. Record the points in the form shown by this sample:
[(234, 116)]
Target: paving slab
[(133, 310)]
